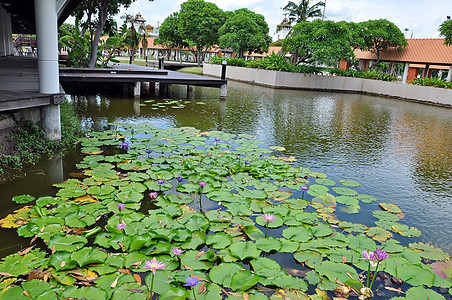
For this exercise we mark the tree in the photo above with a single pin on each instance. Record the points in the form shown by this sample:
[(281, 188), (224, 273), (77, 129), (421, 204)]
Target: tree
[(245, 31), (170, 34), (445, 30), (134, 35), (199, 23), (322, 41), (379, 35), (302, 11), (97, 12)]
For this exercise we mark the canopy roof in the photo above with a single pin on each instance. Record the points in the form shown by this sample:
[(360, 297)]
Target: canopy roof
[(423, 51), (23, 14)]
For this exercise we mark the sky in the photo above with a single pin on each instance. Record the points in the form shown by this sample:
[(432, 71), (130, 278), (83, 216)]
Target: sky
[(421, 18)]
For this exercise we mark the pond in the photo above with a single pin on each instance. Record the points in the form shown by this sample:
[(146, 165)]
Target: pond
[(400, 152)]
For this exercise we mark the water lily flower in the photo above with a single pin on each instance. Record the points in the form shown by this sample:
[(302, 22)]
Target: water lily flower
[(161, 181), (121, 225), (177, 251), (153, 195), (217, 140), (269, 217), (154, 265), (125, 145), (148, 151), (179, 178), (121, 206), (191, 281), (370, 256), (380, 255), (202, 184), (304, 188), (247, 162)]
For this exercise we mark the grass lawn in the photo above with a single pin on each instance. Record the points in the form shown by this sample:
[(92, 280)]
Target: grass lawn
[(192, 70)]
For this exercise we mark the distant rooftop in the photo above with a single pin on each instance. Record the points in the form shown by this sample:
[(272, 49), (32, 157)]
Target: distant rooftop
[(430, 51)]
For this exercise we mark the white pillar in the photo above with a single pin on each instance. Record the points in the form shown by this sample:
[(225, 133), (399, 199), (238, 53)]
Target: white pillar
[(47, 38), (137, 89), (9, 35), (49, 83), (449, 75), (223, 91), (2, 32), (405, 73)]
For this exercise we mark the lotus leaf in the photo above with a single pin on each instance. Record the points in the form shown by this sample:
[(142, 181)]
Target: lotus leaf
[(20, 217), (23, 199), (310, 258), (298, 234), (244, 250), (429, 252), (443, 269), (335, 271), (345, 191), (222, 274), (253, 232), (406, 230), (379, 234), (243, 280), (66, 243), (38, 289), (219, 240), (325, 181), (17, 264), (268, 244), (392, 208), (62, 260)]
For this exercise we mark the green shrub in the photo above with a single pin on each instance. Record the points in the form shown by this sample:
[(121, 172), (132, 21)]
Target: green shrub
[(363, 74), (434, 82)]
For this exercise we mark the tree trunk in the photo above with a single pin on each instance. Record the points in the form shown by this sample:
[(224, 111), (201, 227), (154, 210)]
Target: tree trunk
[(180, 54), (198, 56), (103, 11)]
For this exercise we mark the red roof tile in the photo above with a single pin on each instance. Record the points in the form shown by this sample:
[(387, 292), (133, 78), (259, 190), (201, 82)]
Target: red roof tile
[(426, 51)]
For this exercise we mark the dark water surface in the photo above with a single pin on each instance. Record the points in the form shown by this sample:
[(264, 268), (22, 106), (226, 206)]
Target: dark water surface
[(401, 152)]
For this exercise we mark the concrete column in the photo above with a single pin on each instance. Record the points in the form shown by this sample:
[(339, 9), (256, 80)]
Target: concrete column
[(449, 75), (2, 32), (440, 74), (51, 120), (47, 38), (9, 35), (425, 71), (223, 91), (405, 73), (49, 83), (137, 89)]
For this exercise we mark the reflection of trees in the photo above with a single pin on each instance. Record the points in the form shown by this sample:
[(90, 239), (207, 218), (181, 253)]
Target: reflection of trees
[(429, 144)]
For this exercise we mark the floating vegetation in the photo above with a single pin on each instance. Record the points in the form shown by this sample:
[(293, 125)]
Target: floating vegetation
[(184, 214)]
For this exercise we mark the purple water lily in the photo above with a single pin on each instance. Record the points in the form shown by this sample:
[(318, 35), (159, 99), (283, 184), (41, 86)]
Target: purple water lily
[(247, 162), (304, 188), (177, 251), (202, 184), (269, 218), (160, 181), (179, 178), (153, 195), (125, 145), (121, 225), (191, 281), (380, 255), (121, 206), (154, 265)]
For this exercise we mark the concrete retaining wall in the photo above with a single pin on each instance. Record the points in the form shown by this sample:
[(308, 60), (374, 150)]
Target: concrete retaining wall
[(276, 79)]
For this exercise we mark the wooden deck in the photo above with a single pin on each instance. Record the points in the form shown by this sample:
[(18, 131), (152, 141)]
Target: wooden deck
[(19, 80), (126, 73), (19, 85)]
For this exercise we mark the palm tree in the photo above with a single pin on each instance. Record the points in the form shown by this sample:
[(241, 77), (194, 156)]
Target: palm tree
[(303, 11)]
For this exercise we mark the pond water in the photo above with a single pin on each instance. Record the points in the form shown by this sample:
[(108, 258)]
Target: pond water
[(401, 152)]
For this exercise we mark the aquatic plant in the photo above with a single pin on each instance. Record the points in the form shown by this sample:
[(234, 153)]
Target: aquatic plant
[(223, 245)]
